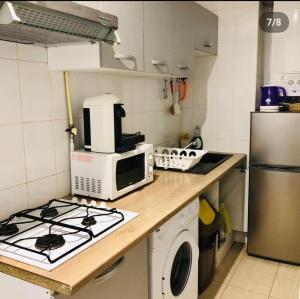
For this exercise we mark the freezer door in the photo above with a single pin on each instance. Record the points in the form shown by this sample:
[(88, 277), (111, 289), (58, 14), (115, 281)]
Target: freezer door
[(274, 214), (275, 138)]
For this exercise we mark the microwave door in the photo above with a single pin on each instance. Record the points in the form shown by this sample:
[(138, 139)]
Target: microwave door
[(130, 171)]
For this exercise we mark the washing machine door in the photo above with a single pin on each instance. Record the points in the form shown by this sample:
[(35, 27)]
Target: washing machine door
[(180, 276)]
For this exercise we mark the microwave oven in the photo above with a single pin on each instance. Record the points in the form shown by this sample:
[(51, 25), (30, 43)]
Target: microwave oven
[(109, 176)]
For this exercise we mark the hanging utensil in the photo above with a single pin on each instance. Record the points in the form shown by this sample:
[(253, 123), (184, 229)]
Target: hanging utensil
[(177, 108), (183, 89), (172, 92), (165, 89)]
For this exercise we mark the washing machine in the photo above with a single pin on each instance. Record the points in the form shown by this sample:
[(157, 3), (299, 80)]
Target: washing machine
[(173, 256)]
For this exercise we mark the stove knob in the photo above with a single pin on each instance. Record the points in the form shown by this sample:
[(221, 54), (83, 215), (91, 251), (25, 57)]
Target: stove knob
[(93, 203), (74, 199), (290, 82), (298, 82), (84, 202)]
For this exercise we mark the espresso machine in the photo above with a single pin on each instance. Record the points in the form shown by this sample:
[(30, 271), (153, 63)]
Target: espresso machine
[(102, 116)]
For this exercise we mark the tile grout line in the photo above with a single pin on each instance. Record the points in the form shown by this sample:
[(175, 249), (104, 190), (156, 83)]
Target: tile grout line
[(22, 125), (273, 282)]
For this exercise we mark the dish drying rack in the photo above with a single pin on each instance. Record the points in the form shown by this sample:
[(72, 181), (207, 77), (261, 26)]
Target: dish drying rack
[(177, 158)]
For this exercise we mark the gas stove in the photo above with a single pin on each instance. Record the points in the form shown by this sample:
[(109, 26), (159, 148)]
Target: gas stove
[(50, 235)]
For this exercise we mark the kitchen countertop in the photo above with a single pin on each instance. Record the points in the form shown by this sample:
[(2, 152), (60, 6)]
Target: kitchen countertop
[(156, 203)]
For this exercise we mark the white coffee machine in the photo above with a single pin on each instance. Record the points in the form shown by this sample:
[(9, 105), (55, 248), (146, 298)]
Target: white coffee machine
[(102, 116)]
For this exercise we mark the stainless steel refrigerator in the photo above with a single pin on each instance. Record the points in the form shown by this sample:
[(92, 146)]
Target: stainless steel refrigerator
[(274, 187)]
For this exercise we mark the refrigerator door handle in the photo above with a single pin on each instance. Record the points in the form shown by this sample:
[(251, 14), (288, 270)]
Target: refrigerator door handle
[(280, 168)]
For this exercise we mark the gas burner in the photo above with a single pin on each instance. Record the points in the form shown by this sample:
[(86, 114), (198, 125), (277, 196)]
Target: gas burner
[(89, 221), (49, 212), (8, 229), (51, 241)]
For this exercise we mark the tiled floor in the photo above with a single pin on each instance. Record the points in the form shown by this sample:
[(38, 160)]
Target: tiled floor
[(244, 277)]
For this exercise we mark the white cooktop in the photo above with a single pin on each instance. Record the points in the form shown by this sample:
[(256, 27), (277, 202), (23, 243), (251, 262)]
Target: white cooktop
[(72, 237)]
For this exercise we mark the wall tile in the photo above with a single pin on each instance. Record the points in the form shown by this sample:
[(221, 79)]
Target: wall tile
[(8, 50), (241, 124), (225, 61), (32, 53), (220, 92), (187, 120), (59, 95), (155, 127), (138, 95), (83, 85), (241, 146), (139, 123), (35, 91), (245, 62), (10, 102), (122, 88), (12, 160), (62, 145), (13, 200), (63, 184), (246, 23), (41, 191), (244, 91), (222, 125), (106, 84), (199, 118), (154, 100), (226, 25), (39, 150)]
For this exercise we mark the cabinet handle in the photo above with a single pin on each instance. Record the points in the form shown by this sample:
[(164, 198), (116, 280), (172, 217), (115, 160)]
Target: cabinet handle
[(207, 44), (124, 56), (158, 62), (110, 272), (183, 67)]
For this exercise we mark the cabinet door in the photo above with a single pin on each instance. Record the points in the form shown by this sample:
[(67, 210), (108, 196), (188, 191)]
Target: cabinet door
[(158, 36), (205, 30), (91, 4), (183, 12), (129, 54)]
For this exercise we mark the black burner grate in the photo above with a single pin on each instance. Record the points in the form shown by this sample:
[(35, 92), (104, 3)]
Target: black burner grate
[(11, 228)]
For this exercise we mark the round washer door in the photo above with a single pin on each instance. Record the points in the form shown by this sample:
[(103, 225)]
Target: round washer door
[(180, 276)]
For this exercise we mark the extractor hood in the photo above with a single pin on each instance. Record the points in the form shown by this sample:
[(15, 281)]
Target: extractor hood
[(49, 23)]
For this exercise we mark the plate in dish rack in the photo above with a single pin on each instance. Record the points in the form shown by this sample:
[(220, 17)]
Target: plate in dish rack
[(177, 158)]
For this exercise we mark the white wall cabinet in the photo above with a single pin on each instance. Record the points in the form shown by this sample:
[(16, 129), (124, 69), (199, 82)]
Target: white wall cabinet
[(183, 41), (129, 54), (158, 36), (205, 30)]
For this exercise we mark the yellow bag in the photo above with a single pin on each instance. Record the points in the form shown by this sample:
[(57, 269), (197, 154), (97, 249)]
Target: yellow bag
[(206, 213), (226, 218)]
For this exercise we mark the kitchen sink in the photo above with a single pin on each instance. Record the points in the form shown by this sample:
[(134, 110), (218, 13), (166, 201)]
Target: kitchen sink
[(209, 162)]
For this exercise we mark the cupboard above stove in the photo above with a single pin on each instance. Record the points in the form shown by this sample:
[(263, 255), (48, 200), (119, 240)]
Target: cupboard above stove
[(156, 38)]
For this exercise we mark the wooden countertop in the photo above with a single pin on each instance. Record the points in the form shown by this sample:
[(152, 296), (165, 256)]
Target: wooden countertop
[(156, 203)]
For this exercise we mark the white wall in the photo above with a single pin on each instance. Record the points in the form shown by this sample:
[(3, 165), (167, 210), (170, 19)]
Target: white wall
[(224, 86), (34, 154), (283, 48)]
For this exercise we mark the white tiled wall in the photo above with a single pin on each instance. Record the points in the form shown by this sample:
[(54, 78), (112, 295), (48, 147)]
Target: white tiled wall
[(282, 50), (224, 86), (34, 156)]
